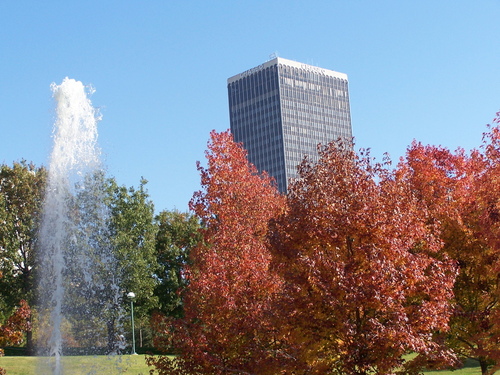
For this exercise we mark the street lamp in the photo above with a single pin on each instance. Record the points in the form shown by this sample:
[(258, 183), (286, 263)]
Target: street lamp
[(131, 295)]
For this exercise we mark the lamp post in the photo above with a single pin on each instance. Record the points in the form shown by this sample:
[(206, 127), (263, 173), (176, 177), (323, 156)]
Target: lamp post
[(131, 295)]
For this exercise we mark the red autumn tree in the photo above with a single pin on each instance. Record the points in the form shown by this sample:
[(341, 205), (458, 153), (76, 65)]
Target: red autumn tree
[(228, 324), (461, 193), (12, 331), (362, 281)]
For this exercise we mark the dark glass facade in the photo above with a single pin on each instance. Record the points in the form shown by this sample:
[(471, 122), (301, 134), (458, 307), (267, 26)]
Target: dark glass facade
[(282, 109)]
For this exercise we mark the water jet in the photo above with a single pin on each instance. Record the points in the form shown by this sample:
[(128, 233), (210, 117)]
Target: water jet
[(79, 296)]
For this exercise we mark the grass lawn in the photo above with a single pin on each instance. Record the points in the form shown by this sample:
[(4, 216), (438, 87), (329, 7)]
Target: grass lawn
[(77, 365), (464, 371), (468, 370), (126, 364)]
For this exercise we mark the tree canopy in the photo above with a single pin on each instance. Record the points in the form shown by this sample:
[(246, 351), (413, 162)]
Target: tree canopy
[(178, 232), (228, 302), (343, 275), (358, 265), (363, 283), (114, 224), (461, 193), (21, 195)]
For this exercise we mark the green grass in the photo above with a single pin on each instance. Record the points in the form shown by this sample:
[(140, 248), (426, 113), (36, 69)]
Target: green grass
[(128, 365), (77, 365), (463, 371), (471, 367)]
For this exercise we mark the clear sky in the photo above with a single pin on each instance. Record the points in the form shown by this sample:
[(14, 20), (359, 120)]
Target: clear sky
[(427, 70)]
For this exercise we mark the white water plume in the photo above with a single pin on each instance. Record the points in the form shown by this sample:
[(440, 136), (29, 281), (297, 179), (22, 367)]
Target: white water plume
[(78, 283)]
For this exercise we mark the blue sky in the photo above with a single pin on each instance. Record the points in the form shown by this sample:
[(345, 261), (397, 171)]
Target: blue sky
[(426, 70)]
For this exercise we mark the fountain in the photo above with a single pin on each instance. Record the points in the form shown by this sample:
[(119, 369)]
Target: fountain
[(79, 300)]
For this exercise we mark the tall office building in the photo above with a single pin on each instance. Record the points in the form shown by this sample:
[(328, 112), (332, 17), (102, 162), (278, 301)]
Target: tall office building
[(282, 109)]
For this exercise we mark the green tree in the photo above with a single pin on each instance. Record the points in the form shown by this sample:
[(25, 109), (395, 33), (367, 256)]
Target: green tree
[(133, 232), (21, 196), (178, 232), (110, 252), (12, 331), (93, 298)]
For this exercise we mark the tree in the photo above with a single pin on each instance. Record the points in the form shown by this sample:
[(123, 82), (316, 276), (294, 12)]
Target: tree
[(177, 234), (363, 282), (13, 330), (110, 252), (461, 193), (133, 232), (227, 327), (21, 197), (93, 296), (117, 219)]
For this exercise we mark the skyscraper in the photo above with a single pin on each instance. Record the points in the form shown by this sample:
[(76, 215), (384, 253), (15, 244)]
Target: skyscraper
[(282, 109)]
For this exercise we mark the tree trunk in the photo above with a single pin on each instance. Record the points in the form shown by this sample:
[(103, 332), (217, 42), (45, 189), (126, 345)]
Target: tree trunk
[(493, 369), (30, 348), (484, 367)]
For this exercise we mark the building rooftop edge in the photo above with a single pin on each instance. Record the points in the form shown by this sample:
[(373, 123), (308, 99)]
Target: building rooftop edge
[(295, 64)]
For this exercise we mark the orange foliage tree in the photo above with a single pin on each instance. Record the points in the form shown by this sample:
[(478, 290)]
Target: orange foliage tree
[(13, 330), (228, 304), (354, 269), (358, 259), (461, 193), (345, 276)]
